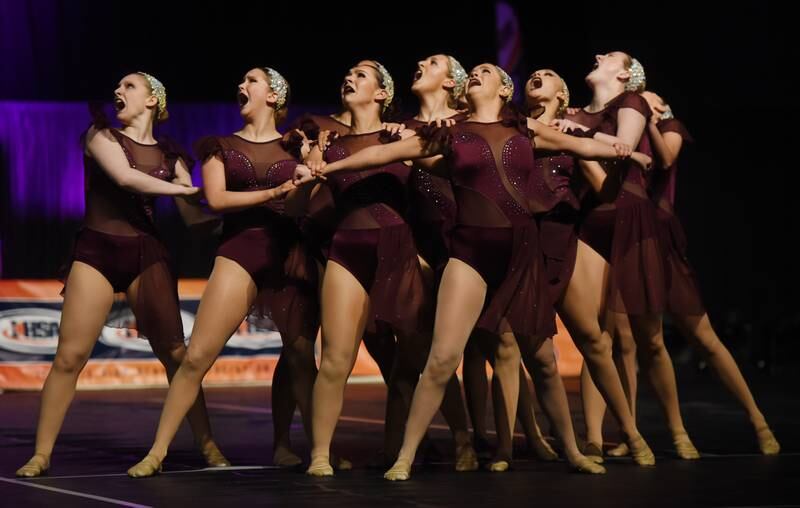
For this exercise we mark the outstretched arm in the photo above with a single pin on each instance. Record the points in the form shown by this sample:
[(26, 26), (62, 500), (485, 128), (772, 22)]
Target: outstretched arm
[(102, 147)]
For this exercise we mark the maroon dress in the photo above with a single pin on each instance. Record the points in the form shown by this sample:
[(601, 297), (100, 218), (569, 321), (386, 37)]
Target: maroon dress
[(489, 165), (554, 188), (119, 238), (683, 293), (432, 211), (624, 231), (262, 239), (372, 239)]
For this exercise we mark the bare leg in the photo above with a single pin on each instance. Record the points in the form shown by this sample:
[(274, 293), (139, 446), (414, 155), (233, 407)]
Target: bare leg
[(87, 301), (222, 309), (624, 353), (657, 365), (625, 359), (541, 362), (594, 409), (533, 435), (527, 418), (581, 309), (506, 378), (171, 354), (699, 332), (460, 301), (413, 350), (345, 307)]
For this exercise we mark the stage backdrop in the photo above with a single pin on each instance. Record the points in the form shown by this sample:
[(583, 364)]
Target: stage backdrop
[(30, 311)]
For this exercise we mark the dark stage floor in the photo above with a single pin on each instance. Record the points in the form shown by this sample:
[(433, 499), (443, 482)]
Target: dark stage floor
[(108, 431)]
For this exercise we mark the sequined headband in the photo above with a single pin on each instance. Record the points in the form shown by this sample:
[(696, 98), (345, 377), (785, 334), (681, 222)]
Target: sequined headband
[(159, 91), (458, 74), (565, 104), (387, 82), (507, 81), (279, 85), (638, 82)]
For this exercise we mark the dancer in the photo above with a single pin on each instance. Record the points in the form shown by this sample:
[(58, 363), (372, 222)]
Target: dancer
[(261, 266), (372, 276), (118, 251), (439, 79), (624, 238), (684, 304)]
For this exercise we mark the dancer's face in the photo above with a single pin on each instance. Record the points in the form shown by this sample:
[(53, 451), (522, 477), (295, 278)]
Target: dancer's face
[(133, 97), (485, 83), (609, 67), (432, 74), (255, 92), (362, 85), (543, 86)]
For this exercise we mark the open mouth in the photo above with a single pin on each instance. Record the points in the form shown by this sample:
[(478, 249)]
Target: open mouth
[(347, 89), (119, 104), (242, 99), (536, 82), (596, 65), (418, 75), (473, 82)]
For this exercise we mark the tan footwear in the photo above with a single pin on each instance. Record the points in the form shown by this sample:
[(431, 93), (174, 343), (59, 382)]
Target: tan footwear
[(593, 452), (641, 452), (621, 450), (213, 456), (284, 457), (466, 458), (399, 472), (498, 466), (684, 447), (149, 466), (767, 442), (320, 466), (36, 466), (586, 465)]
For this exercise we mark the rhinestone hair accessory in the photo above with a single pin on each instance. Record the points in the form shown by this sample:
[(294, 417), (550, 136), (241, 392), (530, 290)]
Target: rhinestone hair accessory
[(159, 91), (507, 81), (458, 74), (279, 85), (387, 83), (565, 103), (638, 82)]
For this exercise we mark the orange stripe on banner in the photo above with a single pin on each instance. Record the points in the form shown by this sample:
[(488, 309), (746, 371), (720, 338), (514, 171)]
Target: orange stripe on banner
[(44, 290), (125, 373), (23, 289), (568, 357), (227, 370), (121, 373), (191, 288)]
